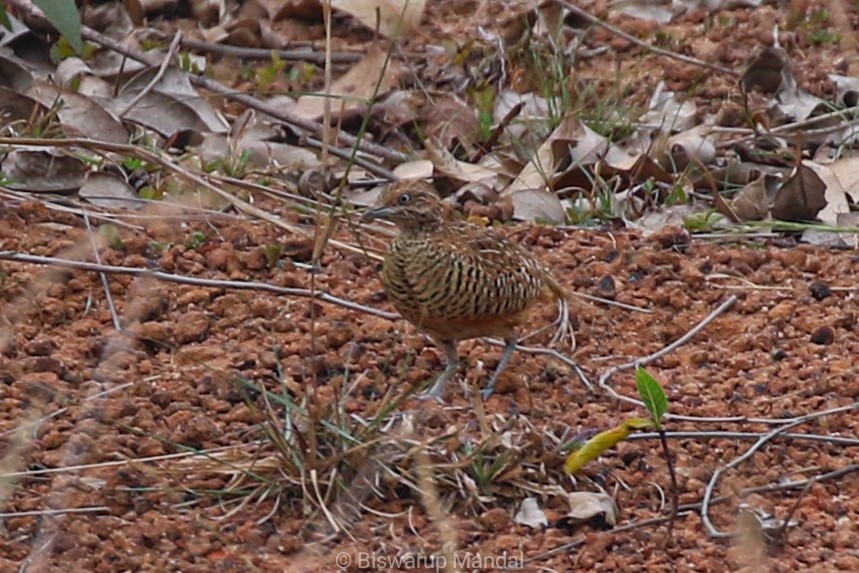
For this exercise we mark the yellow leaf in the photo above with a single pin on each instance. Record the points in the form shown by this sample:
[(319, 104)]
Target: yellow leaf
[(638, 423), (593, 448), (478, 220)]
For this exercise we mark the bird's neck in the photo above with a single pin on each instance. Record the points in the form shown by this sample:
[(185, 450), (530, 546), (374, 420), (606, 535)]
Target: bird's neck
[(422, 226)]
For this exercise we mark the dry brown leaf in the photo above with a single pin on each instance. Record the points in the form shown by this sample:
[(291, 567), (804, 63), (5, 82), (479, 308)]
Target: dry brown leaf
[(657, 219), (834, 194), (770, 71), (43, 171), (586, 506), (448, 119), (310, 10), (355, 88), (392, 17), (81, 116), (460, 171), (752, 202), (418, 169), (17, 106), (15, 76), (571, 142), (667, 112), (694, 143), (537, 205), (801, 197), (847, 88), (108, 190), (846, 172)]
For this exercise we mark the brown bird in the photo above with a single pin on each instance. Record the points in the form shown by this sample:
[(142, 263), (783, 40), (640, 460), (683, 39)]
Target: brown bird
[(454, 280)]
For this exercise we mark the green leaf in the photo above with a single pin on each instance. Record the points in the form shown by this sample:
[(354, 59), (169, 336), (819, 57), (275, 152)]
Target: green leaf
[(651, 394), (4, 16), (63, 15)]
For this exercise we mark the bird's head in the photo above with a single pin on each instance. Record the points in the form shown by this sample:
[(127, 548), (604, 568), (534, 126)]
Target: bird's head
[(412, 205)]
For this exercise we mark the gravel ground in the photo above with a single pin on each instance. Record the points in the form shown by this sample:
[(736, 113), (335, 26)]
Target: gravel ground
[(93, 397)]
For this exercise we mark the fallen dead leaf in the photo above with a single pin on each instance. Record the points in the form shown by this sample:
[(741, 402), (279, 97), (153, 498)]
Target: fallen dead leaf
[(372, 77), (752, 202), (586, 506), (530, 514), (390, 17), (801, 197)]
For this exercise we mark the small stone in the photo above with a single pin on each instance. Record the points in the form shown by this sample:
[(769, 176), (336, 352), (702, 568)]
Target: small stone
[(824, 335), (193, 327), (820, 290), (495, 519)]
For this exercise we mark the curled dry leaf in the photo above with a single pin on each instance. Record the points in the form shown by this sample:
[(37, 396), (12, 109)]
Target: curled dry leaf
[(801, 197), (586, 506), (798, 104), (668, 113), (829, 239), (70, 72), (770, 72), (740, 173), (572, 143), (530, 126), (847, 88), (846, 172), (310, 10), (694, 143), (752, 202), (645, 10), (448, 119), (835, 193), (172, 114), (530, 514), (842, 240), (477, 191), (446, 164), (399, 108), (208, 12), (633, 169)]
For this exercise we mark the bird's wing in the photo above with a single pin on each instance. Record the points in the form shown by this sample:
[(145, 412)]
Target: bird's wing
[(497, 253), (503, 257)]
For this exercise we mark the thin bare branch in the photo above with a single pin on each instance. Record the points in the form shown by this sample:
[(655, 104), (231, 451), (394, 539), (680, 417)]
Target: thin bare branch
[(178, 279)]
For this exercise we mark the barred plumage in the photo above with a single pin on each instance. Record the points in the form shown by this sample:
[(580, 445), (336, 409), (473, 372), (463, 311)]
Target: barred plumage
[(456, 281)]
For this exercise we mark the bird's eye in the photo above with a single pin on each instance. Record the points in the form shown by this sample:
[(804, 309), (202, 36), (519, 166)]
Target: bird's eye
[(404, 199)]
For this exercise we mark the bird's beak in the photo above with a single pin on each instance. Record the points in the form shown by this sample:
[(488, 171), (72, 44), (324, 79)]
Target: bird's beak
[(377, 212)]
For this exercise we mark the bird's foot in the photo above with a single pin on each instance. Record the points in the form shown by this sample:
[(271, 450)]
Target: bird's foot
[(487, 392)]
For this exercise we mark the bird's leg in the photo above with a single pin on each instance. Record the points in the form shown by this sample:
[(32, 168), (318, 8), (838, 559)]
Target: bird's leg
[(509, 347), (451, 365)]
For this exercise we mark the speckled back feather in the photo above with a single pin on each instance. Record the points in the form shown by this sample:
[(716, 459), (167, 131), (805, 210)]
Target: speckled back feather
[(455, 280)]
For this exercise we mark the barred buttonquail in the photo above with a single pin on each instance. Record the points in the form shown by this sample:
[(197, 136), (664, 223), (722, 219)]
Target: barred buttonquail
[(454, 280)]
